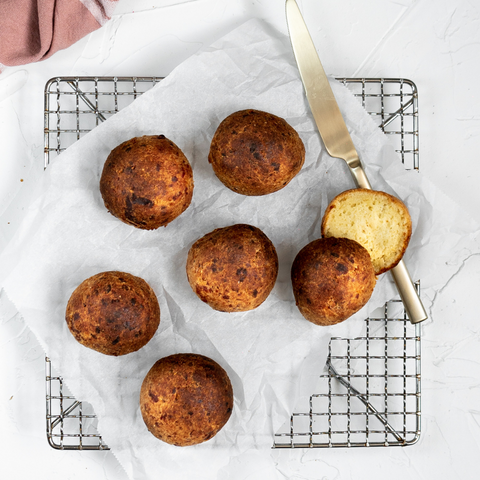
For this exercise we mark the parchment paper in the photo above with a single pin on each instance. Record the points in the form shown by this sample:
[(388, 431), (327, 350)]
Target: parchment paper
[(271, 354)]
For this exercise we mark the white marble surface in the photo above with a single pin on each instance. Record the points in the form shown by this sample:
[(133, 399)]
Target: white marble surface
[(435, 43)]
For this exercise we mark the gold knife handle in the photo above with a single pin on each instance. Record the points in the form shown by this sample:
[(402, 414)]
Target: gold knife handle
[(359, 175), (407, 291)]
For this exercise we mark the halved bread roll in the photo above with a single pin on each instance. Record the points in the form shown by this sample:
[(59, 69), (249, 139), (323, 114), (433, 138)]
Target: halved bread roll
[(378, 221)]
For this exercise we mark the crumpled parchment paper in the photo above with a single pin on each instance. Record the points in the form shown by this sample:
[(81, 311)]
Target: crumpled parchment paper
[(271, 354)]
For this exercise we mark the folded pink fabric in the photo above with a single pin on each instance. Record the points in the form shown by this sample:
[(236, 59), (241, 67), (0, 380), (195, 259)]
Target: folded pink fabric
[(33, 30)]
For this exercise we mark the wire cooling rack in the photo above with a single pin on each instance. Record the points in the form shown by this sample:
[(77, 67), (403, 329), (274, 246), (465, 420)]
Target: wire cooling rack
[(369, 393)]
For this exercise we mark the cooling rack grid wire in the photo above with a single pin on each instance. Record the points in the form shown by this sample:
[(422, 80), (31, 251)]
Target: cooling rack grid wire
[(369, 392)]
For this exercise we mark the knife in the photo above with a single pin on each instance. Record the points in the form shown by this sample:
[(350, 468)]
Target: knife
[(335, 136)]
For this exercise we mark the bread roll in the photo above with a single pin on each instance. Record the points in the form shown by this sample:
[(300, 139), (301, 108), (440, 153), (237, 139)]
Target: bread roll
[(377, 220), (185, 399), (332, 278), (147, 182), (256, 153), (114, 313), (233, 269)]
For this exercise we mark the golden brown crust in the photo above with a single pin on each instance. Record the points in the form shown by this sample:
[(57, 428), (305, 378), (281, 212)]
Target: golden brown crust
[(256, 153), (377, 220), (233, 269), (332, 278), (186, 399), (114, 313), (147, 182)]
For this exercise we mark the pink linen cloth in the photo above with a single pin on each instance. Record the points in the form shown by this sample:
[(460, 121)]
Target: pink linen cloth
[(33, 30)]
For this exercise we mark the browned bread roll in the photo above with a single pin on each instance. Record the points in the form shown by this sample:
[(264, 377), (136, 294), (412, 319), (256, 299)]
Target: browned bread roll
[(332, 279), (186, 399), (233, 269), (114, 313), (147, 182), (256, 153), (377, 220)]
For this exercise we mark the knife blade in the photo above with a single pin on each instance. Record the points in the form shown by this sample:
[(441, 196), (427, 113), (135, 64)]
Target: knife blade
[(335, 135)]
